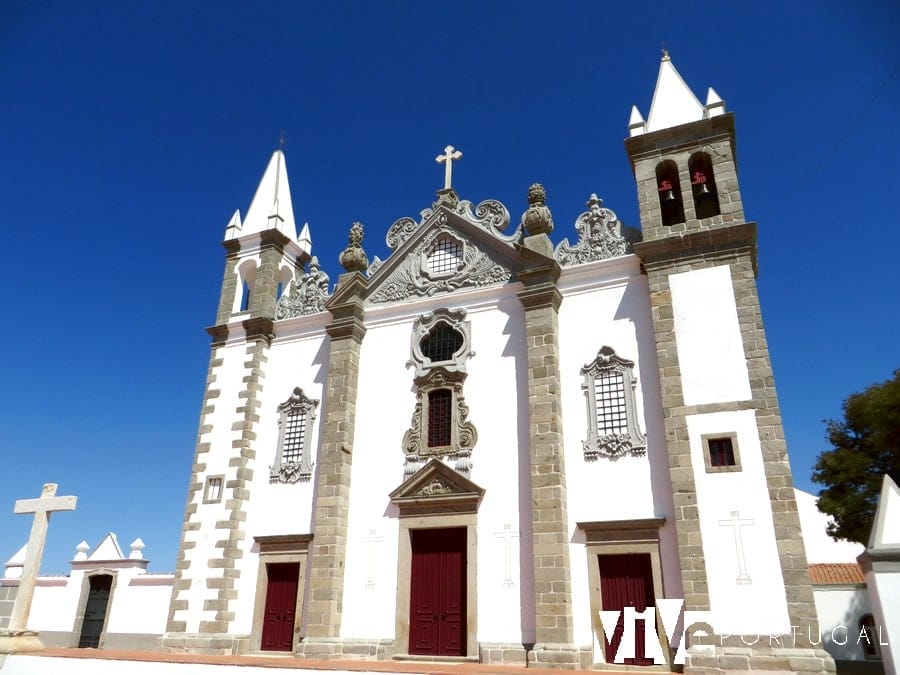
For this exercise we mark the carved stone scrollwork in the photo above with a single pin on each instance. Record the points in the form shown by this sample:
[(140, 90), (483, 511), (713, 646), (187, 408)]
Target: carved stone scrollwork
[(308, 293), (463, 435), (490, 215), (413, 278), (600, 236), (436, 488), (427, 325), (353, 258), (609, 386)]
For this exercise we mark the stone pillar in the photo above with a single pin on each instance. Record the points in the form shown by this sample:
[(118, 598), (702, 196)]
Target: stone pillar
[(329, 544), (553, 586), (735, 246)]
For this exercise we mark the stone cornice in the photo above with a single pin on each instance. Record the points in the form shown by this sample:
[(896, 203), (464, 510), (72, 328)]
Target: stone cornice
[(219, 334), (544, 295), (730, 239), (637, 529), (346, 327), (259, 327), (682, 136), (255, 241)]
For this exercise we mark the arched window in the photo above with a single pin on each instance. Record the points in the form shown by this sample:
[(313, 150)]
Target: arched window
[(669, 189), (703, 186), (246, 279), (868, 637)]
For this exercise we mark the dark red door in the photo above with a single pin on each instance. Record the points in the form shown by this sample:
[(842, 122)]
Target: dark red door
[(627, 581), (437, 603), (281, 599)]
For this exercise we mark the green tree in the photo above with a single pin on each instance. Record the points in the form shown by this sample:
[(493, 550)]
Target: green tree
[(865, 446)]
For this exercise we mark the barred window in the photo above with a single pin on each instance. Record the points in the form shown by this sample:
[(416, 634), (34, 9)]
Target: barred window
[(293, 457), (609, 398), (441, 343), (445, 257), (294, 435), (439, 417), (609, 385)]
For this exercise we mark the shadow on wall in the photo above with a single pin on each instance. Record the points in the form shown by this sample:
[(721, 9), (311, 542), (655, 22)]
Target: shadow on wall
[(845, 643)]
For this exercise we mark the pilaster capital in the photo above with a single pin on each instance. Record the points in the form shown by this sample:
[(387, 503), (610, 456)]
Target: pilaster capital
[(259, 327), (737, 239)]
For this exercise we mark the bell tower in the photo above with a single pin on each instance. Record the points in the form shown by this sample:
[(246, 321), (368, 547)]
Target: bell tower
[(263, 254), (738, 531)]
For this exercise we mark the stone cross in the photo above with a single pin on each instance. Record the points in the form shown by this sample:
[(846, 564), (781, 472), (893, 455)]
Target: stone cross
[(450, 153), (41, 507), (372, 540), (737, 522), (507, 535)]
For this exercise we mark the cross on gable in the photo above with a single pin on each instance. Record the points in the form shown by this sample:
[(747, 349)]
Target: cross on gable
[(450, 154)]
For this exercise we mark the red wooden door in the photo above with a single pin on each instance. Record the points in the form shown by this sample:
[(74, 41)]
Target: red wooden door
[(281, 601), (437, 604), (626, 581)]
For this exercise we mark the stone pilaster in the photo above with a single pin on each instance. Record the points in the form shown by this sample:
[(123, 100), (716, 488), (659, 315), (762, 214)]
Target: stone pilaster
[(553, 586), (229, 283), (265, 288), (734, 246), (329, 544)]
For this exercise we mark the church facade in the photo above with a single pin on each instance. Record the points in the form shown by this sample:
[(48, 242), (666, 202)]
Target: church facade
[(487, 447)]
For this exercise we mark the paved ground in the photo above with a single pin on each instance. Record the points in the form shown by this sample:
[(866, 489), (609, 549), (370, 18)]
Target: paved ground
[(288, 662)]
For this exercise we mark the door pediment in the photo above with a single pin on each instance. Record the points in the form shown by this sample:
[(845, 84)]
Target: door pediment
[(436, 489)]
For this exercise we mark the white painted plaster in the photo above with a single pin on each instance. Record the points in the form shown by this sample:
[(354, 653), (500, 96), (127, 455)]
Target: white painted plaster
[(22, 664), (708, 336), (820, 548), (884, 594), (839, 609), (273, 195), (758, 607), (673, 101)]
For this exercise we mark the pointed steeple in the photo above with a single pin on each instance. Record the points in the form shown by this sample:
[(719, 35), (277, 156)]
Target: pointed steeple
[(714, 103), (305, 240), (233, 229), (271, 207), (636, 124), (673, 101)]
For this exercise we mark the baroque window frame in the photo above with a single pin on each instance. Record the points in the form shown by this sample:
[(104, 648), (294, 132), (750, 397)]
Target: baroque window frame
[(431, 376), (425, 266), (297, 403), (613, 446)]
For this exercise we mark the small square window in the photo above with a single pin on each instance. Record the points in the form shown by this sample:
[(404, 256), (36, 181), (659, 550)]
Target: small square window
[(720, 453), (212, 493)]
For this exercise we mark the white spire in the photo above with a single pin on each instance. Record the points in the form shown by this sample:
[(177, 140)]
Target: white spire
[(673, 101), (636, 124), (714, 103), (233, 229), (305, 240), (271, 207)]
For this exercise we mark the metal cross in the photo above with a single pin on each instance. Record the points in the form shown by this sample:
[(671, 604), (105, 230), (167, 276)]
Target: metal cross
[(281, 141), (371, 540), (507, 535), (450, 153), (41, 507), (736, 522)]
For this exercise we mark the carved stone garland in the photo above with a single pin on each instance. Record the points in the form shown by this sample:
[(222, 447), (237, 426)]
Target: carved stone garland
[(490, 215), (308, 293), (615, 445), (600, 236), (293, 471)]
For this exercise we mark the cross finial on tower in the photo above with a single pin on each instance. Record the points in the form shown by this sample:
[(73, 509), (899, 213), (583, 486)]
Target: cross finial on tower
[(450, 154), (281, 141), (665, 51)]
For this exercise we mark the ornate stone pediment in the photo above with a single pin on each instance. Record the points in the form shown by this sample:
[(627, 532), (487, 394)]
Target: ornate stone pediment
[(454, 245), (437, 487)]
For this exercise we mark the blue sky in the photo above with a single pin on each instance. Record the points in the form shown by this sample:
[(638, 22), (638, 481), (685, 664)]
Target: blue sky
[(130, 132)]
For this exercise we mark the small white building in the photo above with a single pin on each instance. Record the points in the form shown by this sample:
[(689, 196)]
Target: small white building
[(108, 600)]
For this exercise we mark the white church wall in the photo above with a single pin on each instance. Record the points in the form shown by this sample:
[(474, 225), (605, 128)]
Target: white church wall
[(710, 346), (498, 408), (297, 360), (384, 407), (55, 603), (820, 548), (746, 586), (140, 604), (839, 609), (229, 382), (884, 593)]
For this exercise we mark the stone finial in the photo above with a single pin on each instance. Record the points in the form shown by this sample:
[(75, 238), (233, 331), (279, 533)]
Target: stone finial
[(537, 218), (137, 546), (81, 550), (353, 258)]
